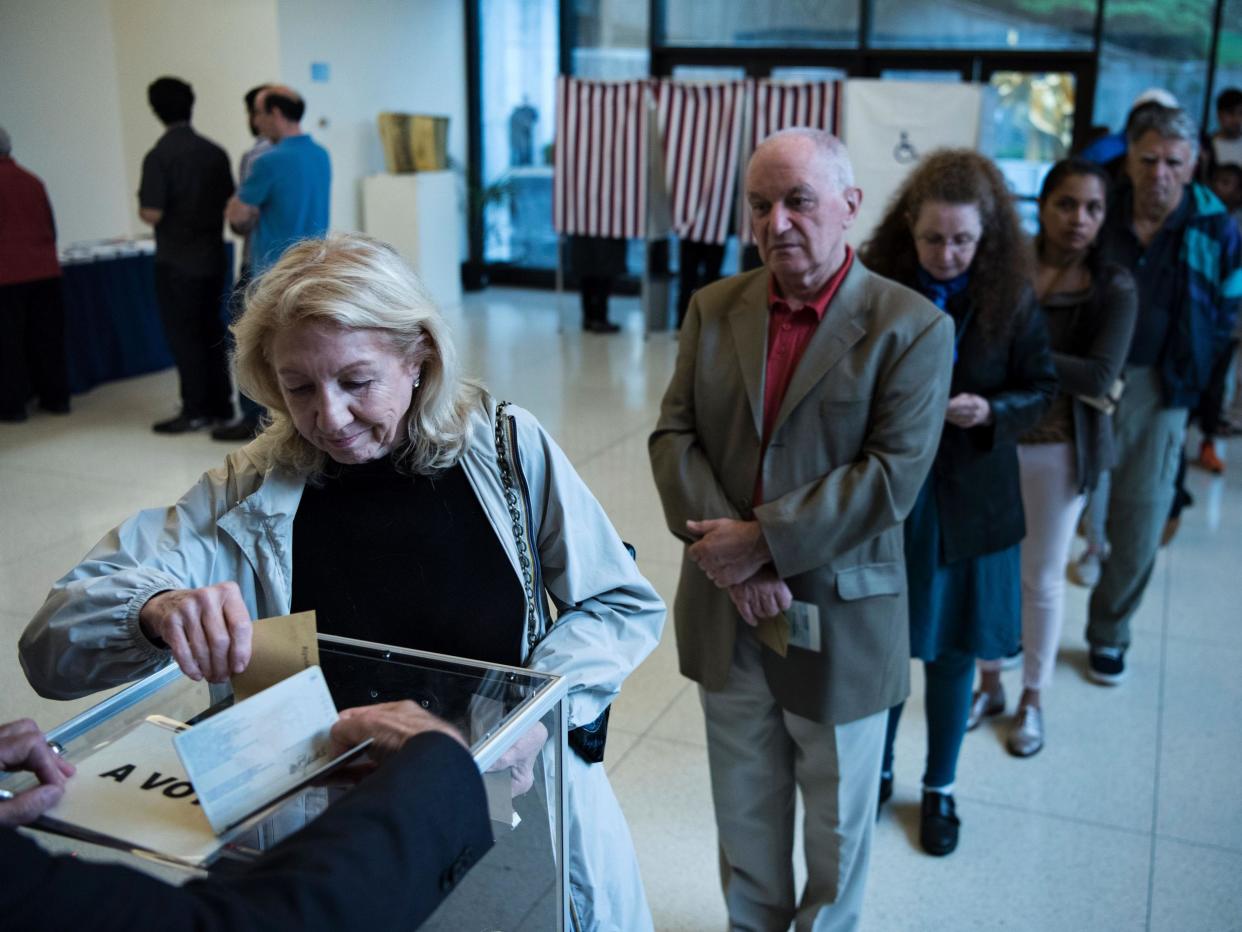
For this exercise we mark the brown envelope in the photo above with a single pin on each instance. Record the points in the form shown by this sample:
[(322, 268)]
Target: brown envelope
[(774, 633), (280, 647)]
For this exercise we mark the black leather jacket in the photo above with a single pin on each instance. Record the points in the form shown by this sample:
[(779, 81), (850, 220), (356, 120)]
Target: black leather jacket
[(976, 469)]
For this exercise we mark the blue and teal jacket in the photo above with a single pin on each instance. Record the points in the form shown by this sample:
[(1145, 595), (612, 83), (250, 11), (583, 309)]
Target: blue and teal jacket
[(1210, 261)]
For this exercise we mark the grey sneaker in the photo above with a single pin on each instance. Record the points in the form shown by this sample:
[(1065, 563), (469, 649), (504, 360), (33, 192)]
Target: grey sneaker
[(1026, 736)]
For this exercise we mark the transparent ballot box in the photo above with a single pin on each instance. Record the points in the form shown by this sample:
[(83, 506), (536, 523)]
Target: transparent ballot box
[(520, 884)]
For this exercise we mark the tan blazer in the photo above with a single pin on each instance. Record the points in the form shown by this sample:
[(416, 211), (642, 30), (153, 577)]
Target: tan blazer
[(853, 442)]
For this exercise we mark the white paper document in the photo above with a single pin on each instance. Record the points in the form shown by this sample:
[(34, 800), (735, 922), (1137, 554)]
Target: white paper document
[(247, 756), (803, 620)]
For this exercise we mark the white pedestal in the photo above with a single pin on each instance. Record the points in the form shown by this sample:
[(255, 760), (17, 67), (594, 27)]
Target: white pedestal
[(417, 214)]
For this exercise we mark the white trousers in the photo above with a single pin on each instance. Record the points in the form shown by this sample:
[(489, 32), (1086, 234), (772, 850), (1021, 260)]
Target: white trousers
[(759, 756), (1052, 504)]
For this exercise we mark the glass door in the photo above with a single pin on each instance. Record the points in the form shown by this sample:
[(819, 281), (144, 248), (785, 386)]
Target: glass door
[(1032, 126), (518, 54)]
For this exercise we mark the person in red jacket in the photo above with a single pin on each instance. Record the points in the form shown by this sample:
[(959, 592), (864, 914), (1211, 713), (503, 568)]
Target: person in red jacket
[(32, 310)]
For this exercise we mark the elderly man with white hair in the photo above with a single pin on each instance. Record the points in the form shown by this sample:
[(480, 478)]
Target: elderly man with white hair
[(800, 423)]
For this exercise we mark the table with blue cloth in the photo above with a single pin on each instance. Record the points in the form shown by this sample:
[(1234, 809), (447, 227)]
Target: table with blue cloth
[(112, 322)]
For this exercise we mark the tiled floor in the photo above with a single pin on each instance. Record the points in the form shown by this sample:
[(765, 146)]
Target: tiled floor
[(1131, 818)]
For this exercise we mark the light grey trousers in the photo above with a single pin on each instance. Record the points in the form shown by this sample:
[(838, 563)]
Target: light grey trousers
[(1149, 439), (759, 755)]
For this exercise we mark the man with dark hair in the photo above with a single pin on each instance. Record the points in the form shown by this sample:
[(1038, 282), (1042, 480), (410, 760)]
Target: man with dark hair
[(171, 99), (245, 426), (1227, 141), (261, 145), (1185, 253), (185, 185), (32, 309)]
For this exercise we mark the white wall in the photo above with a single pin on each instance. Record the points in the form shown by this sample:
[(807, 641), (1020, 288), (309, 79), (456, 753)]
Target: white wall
[(402, 55), (60, 104), (74, 75), (222, 49)]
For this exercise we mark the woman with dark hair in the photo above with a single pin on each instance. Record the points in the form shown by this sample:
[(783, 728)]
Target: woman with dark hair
[(951, 232), (1090, 307)]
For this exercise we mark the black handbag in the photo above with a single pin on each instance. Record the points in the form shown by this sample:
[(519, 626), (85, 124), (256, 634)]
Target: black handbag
[(587, 740)]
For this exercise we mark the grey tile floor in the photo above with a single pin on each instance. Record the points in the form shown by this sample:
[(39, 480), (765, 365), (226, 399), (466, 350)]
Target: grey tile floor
[(1131, 817)]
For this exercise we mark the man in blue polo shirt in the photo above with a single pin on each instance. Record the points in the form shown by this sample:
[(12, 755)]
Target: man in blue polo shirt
[(283, 199)]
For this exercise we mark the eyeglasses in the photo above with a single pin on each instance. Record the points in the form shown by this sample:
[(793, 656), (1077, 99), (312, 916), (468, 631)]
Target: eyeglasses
[(959, 241)]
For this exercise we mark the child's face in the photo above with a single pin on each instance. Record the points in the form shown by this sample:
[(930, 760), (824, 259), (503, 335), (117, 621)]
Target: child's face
[(1230, 122), (1228, 189)]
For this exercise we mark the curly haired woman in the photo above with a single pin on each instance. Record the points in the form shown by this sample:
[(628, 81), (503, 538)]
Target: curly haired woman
[(952, 234)]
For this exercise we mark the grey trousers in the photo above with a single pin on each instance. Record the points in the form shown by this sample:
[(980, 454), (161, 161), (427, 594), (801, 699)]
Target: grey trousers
[(758, 754), (1149, 439)]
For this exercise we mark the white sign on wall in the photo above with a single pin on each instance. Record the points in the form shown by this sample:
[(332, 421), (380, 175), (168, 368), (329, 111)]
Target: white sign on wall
[(890, 125)]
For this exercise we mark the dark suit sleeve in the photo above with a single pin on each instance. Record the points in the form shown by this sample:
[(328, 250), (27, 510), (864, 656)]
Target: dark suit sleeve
[(689, 488), (810, 525), (1032, 380), (383, 857)]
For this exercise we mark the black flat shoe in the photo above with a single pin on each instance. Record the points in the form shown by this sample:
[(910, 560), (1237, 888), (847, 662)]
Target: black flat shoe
[(243, 429), (181, 424), (938, 824)]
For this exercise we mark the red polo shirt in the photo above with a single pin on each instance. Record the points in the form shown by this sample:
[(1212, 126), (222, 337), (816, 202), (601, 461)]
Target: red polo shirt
[(789, 332), (27, 231)]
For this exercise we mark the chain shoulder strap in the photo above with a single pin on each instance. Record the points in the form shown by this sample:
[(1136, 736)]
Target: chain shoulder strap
[(514, 491)]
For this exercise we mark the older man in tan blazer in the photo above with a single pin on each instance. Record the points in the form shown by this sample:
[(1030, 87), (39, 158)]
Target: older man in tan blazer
[(800, 422)]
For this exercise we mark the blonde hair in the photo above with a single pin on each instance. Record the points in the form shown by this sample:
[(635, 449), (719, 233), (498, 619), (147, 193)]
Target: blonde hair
[(355, 283)]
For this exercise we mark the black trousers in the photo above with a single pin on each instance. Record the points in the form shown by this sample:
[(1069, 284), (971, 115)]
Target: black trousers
[(596, 263), (1212, 401), (190, 310), (32, 346), (699, 265)]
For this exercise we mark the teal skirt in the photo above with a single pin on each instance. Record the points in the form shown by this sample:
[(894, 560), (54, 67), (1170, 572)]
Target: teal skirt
[(972, 606)]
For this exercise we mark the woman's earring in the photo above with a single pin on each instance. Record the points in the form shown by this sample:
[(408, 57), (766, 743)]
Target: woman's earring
[(417, 381)]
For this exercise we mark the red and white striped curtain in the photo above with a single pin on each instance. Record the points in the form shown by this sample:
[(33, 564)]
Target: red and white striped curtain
[(776, 105), (600, 154), (700, 127), (600, 186)]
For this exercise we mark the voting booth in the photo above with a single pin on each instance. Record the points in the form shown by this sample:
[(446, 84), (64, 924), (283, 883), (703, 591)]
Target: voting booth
[(152, 820)]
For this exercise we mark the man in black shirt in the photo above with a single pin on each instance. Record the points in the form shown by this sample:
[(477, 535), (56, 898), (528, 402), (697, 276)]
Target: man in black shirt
[(186, 182)]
